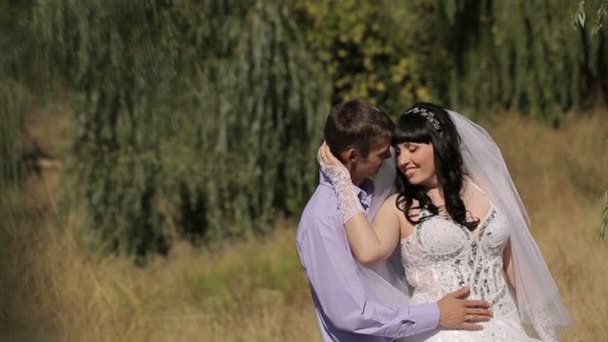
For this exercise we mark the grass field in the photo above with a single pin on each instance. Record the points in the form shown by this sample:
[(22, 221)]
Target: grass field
[(53, 289)]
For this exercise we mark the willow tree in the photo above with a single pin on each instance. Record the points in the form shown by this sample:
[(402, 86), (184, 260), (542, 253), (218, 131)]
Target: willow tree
[(387, 51), (477, 55), (11, 106), (598, 10), (598, 13), (524, 55), (196, 118), (13, 39)]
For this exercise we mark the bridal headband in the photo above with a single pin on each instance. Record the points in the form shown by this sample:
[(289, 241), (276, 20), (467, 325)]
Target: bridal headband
[(428, 115)]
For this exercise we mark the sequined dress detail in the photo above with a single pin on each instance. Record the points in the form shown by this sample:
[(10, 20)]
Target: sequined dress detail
[(441, 256)]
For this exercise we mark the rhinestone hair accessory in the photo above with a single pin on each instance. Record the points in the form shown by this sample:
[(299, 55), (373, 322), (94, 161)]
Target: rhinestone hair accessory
[(428, 115)]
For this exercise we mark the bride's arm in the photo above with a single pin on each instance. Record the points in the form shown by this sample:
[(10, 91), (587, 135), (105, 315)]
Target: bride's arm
[(507, 260), (373, 243), (368, 245)]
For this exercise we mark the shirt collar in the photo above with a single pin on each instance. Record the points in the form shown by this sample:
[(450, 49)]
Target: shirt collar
[(363, 192)]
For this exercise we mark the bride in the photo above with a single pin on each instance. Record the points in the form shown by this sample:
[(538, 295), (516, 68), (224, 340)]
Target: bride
[(456, 220)]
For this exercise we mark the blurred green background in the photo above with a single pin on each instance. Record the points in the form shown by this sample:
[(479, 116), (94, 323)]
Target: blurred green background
[(138, 128)]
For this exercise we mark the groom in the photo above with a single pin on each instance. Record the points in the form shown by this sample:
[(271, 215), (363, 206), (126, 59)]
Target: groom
[(359, 134)]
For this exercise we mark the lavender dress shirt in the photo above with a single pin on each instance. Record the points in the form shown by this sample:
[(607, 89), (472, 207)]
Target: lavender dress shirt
[(344, 311)]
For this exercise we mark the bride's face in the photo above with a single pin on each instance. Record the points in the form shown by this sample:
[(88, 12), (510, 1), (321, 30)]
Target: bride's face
[(416, 162)]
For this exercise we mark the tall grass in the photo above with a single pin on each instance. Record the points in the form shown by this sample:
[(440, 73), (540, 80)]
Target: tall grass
[(54, 289), (604, 224)]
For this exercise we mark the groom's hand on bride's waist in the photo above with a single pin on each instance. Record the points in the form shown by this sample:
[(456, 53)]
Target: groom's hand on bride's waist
[(455, 312)]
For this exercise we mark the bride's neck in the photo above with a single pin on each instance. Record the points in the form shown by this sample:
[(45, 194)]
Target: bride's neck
[(436, 195)]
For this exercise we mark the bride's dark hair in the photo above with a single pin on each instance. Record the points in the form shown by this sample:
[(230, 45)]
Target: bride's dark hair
[(428, 123)]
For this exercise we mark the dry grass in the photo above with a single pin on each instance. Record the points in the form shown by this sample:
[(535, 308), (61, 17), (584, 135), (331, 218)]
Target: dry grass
[(561, 176), (249, 291), (53, 289)]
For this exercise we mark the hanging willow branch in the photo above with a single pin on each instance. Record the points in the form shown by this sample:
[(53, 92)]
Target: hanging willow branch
[(523, 55), (18, 69), (198, 118)]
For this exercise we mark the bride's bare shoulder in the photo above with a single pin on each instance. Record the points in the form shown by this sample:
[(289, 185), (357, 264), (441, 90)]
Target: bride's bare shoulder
[(391, 202), (396, 202), (475, 199), (396, 205)]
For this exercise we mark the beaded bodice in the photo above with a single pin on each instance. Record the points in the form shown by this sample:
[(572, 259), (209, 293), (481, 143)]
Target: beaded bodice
[(441, 256)]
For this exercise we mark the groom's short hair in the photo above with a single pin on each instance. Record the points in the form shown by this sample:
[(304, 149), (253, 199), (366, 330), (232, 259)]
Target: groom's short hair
[(356, 124)]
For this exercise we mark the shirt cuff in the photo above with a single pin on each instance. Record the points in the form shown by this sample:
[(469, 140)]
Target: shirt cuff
[(422, 318)]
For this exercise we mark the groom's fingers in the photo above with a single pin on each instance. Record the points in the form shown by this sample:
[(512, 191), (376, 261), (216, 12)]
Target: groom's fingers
[(476, 303), (471, 326), (326, 157), (321, 153), (477, 319), (460, 293), (479, 312), (325, 151)]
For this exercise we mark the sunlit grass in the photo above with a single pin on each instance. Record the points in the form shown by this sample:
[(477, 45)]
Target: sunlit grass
[(55, 289)]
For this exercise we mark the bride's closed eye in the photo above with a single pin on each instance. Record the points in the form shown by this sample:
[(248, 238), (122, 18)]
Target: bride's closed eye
[(409, 147), (412, 148)]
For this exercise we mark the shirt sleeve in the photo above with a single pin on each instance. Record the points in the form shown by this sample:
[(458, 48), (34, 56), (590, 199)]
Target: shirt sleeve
[(333, 276)]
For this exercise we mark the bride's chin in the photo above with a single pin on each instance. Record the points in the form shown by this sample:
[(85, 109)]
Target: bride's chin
[(417, 181), (413, 180)]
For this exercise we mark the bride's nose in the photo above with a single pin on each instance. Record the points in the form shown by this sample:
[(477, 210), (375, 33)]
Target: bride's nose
[(402, 160)]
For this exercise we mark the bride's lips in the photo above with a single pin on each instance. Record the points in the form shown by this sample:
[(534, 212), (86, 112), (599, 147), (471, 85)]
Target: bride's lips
[(409, 172)]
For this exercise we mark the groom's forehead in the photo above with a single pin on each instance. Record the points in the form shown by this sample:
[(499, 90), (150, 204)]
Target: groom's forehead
[(380, 143), (381, 140)]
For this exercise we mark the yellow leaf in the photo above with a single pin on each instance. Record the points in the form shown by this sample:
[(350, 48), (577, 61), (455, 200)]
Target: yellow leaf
[(422, 93)]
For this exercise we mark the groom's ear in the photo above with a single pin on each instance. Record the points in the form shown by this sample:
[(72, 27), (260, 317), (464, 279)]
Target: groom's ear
[(349, 156)]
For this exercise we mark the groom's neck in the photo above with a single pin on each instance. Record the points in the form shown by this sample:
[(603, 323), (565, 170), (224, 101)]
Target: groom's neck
[(357, 180)]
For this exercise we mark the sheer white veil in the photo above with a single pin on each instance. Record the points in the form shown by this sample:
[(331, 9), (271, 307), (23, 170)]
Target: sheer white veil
[(538, 298), (386, 280)]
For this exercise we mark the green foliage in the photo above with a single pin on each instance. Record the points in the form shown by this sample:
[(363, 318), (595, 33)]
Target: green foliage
[(11, 106), (600, 9), (201, 118), (15, 69), (597, 8), (372, 50), (196, 118), (523, 55), (475, 55)]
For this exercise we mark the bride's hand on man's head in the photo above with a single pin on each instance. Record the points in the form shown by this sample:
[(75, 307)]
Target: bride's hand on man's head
[(326, 158)]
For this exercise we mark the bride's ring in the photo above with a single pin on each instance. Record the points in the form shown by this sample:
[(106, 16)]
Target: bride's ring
[(470, 318)]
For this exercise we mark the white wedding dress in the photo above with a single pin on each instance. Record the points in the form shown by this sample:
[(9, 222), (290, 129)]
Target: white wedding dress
[(441, 256)]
